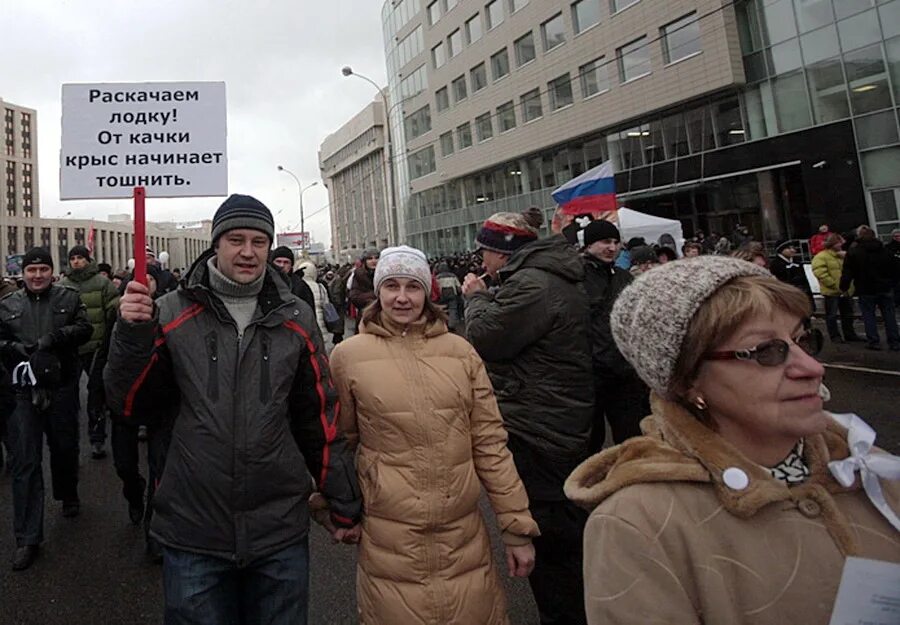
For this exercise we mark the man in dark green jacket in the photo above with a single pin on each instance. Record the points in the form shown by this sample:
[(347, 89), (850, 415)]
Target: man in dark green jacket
[(100, 298), (532, 333)]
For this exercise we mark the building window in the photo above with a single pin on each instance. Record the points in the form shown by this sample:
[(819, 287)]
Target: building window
[(479, 77), (585, 13), (45, 238), (454, 43), (515, 5), (531, 105), (525, 52), (483, 127), (867, 77), (618, 5), (434, 12), (415, 83), (464, 136), (594, 77), (418, 123), (681, 38), (473, 29), (439, 55), (553, 32), (506, 116), (634, 60), (560, 92), (447, 144), (12, 246), (421, 163), (500, 64), (411, 46), (29, 237), (494, 12), (460, 92), (451, 4), (442, 99)]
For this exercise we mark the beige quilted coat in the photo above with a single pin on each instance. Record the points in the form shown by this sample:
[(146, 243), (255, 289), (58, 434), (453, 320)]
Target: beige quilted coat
[(669, 542), (421, 408)]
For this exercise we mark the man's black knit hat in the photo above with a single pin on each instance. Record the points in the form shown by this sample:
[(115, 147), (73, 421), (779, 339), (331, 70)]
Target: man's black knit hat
[(600, 230), (37, 256), (242, 211), (80, 250), (283, 251)]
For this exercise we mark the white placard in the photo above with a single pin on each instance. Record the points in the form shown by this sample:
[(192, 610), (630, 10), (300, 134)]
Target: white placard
[(170, 138), (869, 593)]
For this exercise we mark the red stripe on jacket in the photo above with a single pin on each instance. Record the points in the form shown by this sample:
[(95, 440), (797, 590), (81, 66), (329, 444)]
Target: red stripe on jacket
[(330, 430), (188, 313)]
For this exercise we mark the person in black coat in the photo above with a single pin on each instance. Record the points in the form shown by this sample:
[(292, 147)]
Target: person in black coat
[(283, 259), (620, 397), (873, 272), (787, 267)]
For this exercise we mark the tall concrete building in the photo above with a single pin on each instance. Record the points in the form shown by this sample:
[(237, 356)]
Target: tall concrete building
[(352, 162), (777, 114), (22, 228)]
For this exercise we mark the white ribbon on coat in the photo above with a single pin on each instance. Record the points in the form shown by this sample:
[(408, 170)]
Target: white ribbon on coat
[(861, 438), (23, 373)]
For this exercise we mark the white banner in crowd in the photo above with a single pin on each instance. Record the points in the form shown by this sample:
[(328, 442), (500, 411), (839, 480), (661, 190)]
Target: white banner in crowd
[(170, 138)]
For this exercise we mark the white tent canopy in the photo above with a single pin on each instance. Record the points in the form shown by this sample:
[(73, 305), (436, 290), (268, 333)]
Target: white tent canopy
[(634, 224)]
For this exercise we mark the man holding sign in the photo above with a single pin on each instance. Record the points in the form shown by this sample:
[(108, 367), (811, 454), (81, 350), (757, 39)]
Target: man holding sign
[(242, 365)]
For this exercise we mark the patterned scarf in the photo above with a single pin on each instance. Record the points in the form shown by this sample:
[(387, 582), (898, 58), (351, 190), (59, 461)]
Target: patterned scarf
[(793, 469)]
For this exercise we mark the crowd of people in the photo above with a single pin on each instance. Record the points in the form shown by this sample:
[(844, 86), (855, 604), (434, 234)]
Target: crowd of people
[(381, 399)]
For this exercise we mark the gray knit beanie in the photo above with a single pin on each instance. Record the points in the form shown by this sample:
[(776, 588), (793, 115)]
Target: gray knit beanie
[(242, 211), (651, 316)]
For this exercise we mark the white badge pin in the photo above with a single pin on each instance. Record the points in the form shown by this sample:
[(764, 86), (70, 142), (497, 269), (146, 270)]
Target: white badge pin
[(735, 478)]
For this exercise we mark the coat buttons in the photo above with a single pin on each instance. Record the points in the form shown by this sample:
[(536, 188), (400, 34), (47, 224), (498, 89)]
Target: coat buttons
[(735, 478), (809, 508)]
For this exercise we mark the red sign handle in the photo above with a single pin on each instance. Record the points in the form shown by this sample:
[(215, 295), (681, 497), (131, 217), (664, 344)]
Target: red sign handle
[(140, 236)]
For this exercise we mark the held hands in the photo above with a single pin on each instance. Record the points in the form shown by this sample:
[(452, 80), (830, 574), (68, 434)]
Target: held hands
[(347, 535), (136, 305), (318, 509), (520, 560), (472, 284)]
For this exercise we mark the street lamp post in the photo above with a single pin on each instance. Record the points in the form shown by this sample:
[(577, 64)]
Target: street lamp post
[(301, 189), (389, 155)]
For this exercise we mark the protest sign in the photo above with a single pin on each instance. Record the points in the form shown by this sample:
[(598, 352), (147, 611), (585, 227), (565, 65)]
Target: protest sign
[(169, 138)]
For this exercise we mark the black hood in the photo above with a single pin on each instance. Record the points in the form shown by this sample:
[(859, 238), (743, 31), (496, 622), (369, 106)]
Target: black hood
[(553, 254)]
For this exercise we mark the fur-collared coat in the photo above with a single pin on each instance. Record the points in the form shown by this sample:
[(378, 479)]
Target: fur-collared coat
[(669, 542), (418, 404)]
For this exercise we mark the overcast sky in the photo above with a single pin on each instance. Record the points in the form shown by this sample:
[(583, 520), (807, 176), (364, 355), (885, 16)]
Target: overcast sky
[(280, 59)]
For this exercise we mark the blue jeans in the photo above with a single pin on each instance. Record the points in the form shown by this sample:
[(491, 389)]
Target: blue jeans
[(884, 301), (205, 590)]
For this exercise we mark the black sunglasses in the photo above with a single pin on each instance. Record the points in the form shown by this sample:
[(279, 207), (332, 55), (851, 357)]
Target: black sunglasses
[(773, 352)]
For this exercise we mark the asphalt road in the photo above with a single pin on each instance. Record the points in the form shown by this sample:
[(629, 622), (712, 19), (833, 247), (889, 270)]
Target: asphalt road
[(92, 569)]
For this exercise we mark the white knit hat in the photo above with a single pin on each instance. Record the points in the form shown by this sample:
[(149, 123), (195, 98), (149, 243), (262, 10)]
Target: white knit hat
[(651, 316), (403, 262)]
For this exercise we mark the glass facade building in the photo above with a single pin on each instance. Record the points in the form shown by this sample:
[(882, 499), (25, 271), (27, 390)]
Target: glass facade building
[(805, 132)]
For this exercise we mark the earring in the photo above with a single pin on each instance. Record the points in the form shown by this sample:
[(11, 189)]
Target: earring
[(700, 403)]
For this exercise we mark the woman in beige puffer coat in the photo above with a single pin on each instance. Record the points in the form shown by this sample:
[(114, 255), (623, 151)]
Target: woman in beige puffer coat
[(418, 403)]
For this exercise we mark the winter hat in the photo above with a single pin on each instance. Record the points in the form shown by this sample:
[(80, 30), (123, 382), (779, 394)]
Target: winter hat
[(403, 262), (599, 230), (242, 211), (80, 250), (783, 245), (149, 251), (283, 251), (635, 242), (37, 256), (651, 316), (643, 254), (308, 270), (505, 233), (105, 267)]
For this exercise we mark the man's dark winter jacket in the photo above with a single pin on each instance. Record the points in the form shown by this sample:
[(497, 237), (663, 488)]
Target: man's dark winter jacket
[(791, 272), (362, 291), (603, 283), (57, 312), (298, 287), (255, 416), (870, 267), (531, 334)]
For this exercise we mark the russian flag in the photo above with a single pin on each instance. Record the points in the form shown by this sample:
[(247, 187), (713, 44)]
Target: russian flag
[(592, 192)]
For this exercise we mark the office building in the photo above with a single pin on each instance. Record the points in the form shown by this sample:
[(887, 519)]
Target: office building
[(352, 164), (777, 114)]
